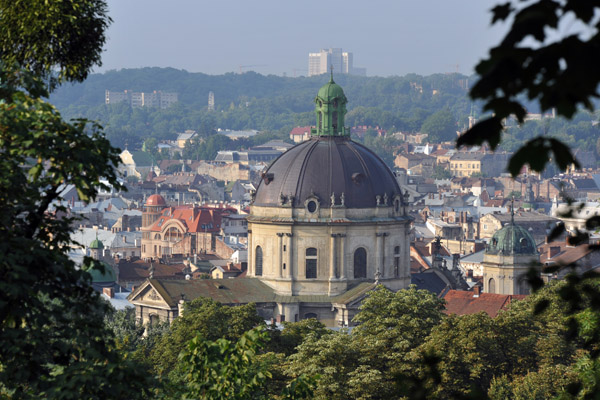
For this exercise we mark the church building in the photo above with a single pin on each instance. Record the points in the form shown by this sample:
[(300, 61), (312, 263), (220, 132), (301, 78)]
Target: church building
[(328, 222), (508, 256)]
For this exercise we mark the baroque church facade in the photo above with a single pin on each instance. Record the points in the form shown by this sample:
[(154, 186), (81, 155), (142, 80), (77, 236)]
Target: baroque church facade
[(328, 222)]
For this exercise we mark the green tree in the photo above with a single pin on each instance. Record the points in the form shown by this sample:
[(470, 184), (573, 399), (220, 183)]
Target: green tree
[(52, 320), (208, 318), (223, 370), (366, 363), (57, 41), (440, 127), (54, 342), (439, 172)]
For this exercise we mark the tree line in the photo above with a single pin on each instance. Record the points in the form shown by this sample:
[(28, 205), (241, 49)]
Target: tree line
[(404, 347)]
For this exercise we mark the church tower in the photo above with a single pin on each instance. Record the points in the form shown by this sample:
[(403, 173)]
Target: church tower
[(508, 256), (328, 218), (330, 109)]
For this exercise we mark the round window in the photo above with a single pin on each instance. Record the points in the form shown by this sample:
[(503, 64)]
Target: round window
[(311, 206)]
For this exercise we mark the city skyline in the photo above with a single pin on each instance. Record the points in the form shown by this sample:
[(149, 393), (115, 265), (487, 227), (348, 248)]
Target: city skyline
[(274, 38)]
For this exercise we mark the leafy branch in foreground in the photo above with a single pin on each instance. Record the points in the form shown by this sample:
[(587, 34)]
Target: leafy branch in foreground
[(54, 342), (222, 369), (560, 74)]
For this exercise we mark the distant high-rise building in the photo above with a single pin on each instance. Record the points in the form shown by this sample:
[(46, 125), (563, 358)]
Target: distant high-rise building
[(211, 101), (156, 98), (342, 62)]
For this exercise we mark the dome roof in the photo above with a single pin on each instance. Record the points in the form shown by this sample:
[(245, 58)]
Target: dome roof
[(96, 244), (156, 200), (330, 91), (323, 166), (512, 239), (99, 277)]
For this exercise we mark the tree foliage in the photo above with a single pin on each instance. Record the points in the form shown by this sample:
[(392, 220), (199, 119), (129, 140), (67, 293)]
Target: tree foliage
[(440, 127), (54, 341), (57, 40), (537, 61)]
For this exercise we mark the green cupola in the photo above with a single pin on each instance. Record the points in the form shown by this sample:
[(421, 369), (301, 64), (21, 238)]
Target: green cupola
[(96, 244), (330, 108)]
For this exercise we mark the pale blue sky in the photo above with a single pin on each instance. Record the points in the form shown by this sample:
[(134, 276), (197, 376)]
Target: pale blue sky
[(386, 37)]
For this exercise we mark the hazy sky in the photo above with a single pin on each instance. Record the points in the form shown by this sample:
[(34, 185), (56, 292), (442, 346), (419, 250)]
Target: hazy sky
[(391, 37)]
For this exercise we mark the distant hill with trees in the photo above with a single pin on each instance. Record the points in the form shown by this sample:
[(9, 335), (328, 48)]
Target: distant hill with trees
[(254, 101), (436, 104)]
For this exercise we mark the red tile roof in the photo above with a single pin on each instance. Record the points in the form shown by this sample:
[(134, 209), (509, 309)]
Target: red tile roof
[(301, 130), (563, 254), (139, 270), (196, 219), (462, 302)]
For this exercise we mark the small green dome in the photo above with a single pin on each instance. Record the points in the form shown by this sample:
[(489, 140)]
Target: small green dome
[(96, 244), (99, 277), (331, 91), (512, 239)]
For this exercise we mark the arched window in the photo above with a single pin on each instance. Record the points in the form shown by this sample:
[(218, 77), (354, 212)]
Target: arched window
[(173, 235), (492, 286), (154, 319), (258, 262), (360, 263), (396, 261), (523, 286), (311, 263)]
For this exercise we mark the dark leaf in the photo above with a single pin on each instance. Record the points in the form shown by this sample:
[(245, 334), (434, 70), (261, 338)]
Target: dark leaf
[(541, 306), (501, 12), (562, 155), (487, 130), (534, 153), (593, 223), (558, 230)]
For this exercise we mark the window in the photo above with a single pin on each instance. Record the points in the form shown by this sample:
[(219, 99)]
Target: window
[(311, 263), (492, 286), (360, 263), (311, 206), (311, 315), (396, 261), (258, 261)]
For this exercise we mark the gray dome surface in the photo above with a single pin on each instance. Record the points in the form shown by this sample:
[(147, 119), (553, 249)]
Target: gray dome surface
[(512, 239), (326, 165)]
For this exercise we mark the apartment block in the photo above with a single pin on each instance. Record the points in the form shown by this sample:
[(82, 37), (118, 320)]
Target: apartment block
[(157, 98)]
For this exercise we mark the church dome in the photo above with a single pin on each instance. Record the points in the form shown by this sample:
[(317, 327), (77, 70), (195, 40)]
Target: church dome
[(156, 200), (331, 91), (327, 166), (510, 240), (96, 244), (103, 277)]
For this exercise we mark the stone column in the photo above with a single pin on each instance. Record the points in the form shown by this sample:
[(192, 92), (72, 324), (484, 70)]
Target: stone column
[(333, 257), (289, 271), (383, 271), (342, 257), (378, 255), (280, 255), (250, 252)]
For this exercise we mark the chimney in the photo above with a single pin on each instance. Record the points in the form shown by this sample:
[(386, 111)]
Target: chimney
[(553, 251), (476, 291), (109, 292)]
